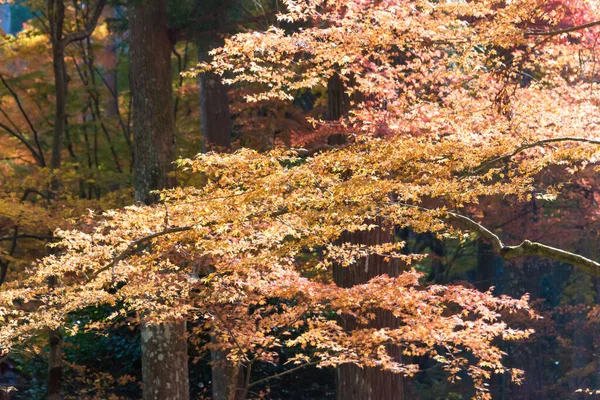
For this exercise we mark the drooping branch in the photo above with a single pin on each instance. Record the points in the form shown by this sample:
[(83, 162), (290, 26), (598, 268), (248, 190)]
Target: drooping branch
[(525, 249), (487, 164), (528, 248), (132, 246), (565, 30)]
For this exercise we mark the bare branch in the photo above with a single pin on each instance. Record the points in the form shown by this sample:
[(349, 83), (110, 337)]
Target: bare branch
[(15, 96), (529, 248), (89, 27), (488, 164), (289, 371), (34, 153), (561, 31), (525, 249)]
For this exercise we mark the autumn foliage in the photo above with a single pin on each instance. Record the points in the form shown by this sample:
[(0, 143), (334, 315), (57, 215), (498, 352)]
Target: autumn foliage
[(455, 110)]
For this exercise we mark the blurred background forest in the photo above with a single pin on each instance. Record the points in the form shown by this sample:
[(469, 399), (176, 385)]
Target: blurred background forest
[(96, 174)]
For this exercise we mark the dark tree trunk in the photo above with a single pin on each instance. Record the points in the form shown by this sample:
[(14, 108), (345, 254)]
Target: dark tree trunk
[(110, 65), (484, 274), (215, 119), (164, 346), (338, 101), (55, 365), (353, 382), (60, 81), (338, 105), (215, 125), (227, 378), (153, 124), (56, 16)]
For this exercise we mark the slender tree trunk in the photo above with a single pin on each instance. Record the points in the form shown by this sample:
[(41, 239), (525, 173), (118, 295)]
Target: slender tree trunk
[(55, 365), (353, 382), (60, 79), (110, 66), (56, 15), (215, 119), (164, 346)]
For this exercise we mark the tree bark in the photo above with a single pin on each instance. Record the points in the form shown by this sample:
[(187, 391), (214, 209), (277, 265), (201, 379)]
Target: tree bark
[(55, 365), (353, 382), (215, 119), (154, 126), (164, 346), (227, 378), (56, 16), (164, 361)]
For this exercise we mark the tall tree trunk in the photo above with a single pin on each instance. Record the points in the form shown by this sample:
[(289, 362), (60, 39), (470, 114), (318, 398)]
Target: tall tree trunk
[(215, 125), (58, 40), (60, 79), (154, 127), (215, 119), (110, 61), (56, 16), (353, 382), (164, 346)]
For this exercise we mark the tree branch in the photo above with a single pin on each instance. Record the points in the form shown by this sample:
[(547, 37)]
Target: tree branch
[(289, 371), (525, 249), (24, 236), (528, 248), (137, 242), (15, 96), (131, 247), (89, 27), (561, 31), (489, 163), (24, 141)]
